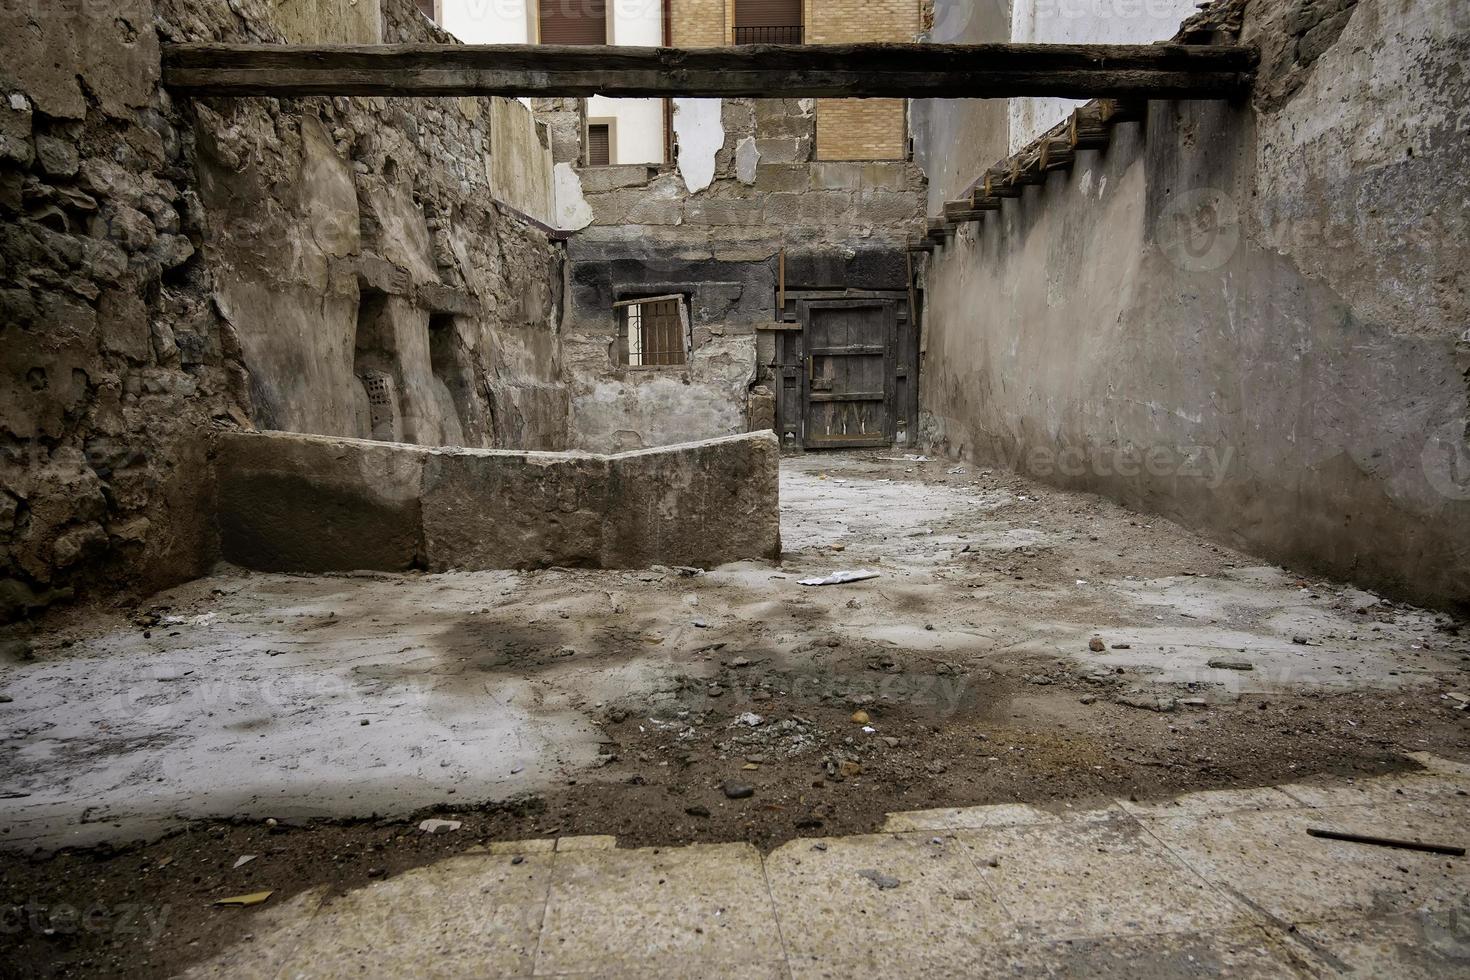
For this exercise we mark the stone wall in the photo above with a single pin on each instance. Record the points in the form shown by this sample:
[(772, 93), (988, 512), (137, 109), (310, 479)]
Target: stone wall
[(170, 268), (1247, 318), (293, 503)]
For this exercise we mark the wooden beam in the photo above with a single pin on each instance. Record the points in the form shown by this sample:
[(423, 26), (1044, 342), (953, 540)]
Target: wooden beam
[(1055, 154), (1086, 130), (1079, 71), (966, 211)]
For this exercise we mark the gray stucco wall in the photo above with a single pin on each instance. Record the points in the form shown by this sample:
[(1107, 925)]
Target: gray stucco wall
[(1250, 319), (956, 139)]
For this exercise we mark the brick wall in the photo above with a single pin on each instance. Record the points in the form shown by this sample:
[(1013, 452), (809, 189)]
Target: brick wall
[(861, 129), (698, 23)]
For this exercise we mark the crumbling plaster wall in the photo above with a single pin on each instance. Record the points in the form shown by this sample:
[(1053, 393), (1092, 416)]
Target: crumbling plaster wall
[(1249, 319), (169, 267), (842, 226)]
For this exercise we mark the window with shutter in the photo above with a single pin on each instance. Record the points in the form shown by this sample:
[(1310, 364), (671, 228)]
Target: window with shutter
[(599, 145), (768, 22), (573, 21), (426, 7)]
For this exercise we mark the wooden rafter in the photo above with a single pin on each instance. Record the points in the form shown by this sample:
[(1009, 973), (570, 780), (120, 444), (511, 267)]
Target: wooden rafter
[(1082, 71)]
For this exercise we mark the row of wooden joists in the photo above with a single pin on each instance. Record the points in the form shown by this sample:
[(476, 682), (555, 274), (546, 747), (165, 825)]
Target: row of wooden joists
[(1088, 128)]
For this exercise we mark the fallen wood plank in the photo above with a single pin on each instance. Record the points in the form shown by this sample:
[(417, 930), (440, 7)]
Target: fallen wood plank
[(1082, 71), (1403, 845)]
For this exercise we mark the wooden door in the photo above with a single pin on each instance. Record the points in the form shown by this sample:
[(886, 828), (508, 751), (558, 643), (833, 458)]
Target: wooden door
[(848, 389)]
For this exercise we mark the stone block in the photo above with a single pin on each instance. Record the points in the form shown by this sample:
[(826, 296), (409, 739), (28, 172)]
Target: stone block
[(513, 510), (703, 504), (444, 299), (600, 180), (299, 503), (377, 274)]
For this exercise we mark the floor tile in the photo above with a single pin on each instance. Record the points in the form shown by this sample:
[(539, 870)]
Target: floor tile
[(1268, 858), (692, 911), (934, 918), (277, 931), (968, 818), (1096, 878), (1416, 946), (477, 916), (1236, 953), (1213, 801), (1383, 789)]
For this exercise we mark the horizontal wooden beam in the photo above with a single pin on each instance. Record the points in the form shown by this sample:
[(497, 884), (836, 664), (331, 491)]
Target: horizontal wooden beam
[(979, 71)]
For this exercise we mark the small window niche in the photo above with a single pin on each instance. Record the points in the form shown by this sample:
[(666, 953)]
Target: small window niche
[(653, 332)]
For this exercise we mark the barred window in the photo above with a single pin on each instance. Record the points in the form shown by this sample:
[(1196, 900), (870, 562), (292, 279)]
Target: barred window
[(653, 332)]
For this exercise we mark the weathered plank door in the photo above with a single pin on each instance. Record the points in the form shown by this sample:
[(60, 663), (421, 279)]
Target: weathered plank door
[(849, 384)]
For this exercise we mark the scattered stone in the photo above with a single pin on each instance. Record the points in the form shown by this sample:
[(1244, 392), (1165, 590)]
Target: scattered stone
[(697, 811), (1301, 641), (244, 859), (715, 691), (751, 719), (1147, 702), (850, 768), (440, 826), (1228, 663), (376, 872), (1122, 646), (518, 859), (1096, 644), (1088, 699), (819, 846), (860, 718), (739, 662), (738, 791), (882, 881)]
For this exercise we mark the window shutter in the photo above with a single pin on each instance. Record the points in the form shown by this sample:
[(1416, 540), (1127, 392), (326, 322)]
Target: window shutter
[(426, 7), (573, 21), (599, 146), (767, 13)]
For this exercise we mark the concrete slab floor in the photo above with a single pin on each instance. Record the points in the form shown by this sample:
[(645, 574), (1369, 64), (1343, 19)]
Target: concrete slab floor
[(567, 703)]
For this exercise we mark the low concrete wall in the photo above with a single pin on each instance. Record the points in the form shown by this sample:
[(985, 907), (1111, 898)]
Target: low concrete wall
[(290, 502)]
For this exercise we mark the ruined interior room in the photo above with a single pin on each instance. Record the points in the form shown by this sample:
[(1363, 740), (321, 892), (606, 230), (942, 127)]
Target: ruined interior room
[(791, 488)]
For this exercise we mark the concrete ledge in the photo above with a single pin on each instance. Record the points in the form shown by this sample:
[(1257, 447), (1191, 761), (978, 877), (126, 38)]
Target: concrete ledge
[(301, 503)]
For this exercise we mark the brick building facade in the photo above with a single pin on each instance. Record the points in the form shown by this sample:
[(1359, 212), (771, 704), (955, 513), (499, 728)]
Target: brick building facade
[(847, 129)]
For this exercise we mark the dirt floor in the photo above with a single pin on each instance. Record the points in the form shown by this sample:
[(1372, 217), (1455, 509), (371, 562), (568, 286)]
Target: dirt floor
[(1019, 644)]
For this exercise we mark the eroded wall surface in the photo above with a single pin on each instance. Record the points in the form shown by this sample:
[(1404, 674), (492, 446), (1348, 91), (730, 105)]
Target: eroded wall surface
[(1249, 319), (169, 268)]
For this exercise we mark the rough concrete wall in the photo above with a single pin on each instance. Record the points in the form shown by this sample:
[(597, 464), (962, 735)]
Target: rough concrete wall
[(332, 214), (167, 268), (291, 502), (978, 125), (520, 160), (842, 225), (620, 409), (1248, 319)]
